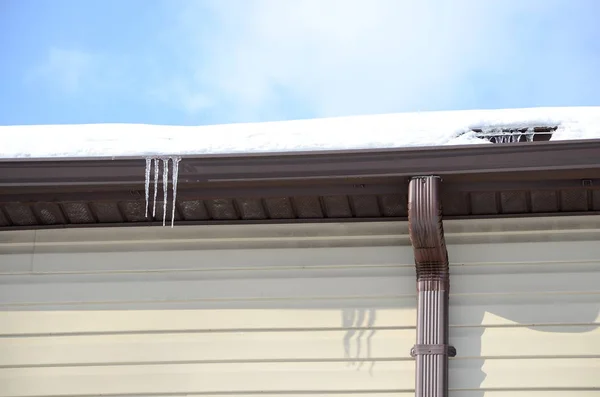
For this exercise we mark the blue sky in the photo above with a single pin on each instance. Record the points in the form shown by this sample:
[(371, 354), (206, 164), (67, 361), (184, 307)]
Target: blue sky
[(222, 61)]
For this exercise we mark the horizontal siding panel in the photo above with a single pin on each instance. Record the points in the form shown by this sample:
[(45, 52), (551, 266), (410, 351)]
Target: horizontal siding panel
[(543, 373), (206, 378), (505, 342), (236, 260), (525, 311), (133, 258), (571, 392), (370, 314), (524, 252), (228, 233), (309, 394), (294, 377), (364, 283), (507, 227), (80, 291), (338, 303), (16, 263), (527, 283), (246, 259), (253, 240), (462, 393), (123, 321), (350, 345), (239, 346)]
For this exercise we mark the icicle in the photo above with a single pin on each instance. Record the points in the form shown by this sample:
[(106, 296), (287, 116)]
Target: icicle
[(156, 171), (515, 138), (175, 176), (165, 182), (165, 187), (529, 137), (147, 182)]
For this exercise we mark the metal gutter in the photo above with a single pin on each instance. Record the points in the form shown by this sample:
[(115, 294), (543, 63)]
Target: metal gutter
[(472, 162), (433, 286)]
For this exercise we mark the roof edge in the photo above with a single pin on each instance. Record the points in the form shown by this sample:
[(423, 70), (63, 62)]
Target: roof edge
[(484, 146), (472, 161)]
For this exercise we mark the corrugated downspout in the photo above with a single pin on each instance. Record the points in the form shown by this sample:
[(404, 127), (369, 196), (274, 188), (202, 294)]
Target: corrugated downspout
[(433, 284)]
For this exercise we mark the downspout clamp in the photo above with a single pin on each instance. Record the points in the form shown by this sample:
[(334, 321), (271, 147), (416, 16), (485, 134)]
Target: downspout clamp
[(433, 285)]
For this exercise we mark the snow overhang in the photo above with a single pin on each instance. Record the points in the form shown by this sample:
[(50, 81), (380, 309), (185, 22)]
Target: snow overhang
[(385, 131), (520, 179)]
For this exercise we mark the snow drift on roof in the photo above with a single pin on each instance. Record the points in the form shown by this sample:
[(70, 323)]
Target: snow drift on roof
[(343, 133)]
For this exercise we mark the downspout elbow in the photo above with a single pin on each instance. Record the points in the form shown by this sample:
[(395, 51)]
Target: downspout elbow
[(426, 232)]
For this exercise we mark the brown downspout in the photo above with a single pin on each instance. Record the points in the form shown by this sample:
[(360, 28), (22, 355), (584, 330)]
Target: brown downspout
[(433, 284)]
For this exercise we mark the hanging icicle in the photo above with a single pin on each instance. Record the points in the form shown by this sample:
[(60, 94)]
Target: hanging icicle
[(147, 182), (515, 134), (156, 170), (165, 187), (175, 177), (153, 165)]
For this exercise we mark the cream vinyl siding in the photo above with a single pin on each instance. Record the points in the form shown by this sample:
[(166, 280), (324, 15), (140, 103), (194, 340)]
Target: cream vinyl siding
[(310, 309)]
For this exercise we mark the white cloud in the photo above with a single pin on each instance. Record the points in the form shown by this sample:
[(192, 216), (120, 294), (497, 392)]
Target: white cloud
[(87, 74), (67, 69), (250, 60), (177, 93), (346, 56)]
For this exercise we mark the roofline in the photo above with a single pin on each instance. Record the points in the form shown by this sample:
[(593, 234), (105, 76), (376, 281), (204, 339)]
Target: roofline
[(484, 146), (466, 163)]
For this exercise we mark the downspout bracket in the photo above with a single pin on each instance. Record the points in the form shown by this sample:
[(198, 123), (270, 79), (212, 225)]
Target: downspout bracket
[(423, 350)]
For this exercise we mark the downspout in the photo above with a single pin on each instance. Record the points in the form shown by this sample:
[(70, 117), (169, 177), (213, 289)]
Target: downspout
[(433, 285)]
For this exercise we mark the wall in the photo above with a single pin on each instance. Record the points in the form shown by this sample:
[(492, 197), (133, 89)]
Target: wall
[(324, 310)]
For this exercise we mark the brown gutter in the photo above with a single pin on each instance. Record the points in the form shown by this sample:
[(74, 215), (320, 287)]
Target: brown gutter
[(433, 286), (469, 163)]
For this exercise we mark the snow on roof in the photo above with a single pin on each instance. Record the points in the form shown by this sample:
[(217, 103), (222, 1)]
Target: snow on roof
[(342, 133)]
